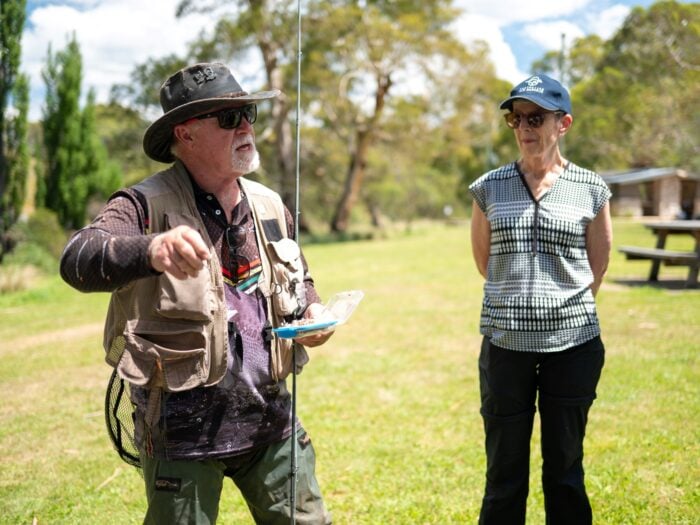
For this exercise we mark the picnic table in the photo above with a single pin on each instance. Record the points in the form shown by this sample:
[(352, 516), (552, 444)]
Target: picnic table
[(659, 254)]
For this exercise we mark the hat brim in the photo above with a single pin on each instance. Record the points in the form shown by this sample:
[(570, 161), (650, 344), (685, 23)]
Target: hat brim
[(158, 137), (508, 103)]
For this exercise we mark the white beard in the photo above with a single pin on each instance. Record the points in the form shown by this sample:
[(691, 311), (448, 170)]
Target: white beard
[(246, 162), (254, 163)]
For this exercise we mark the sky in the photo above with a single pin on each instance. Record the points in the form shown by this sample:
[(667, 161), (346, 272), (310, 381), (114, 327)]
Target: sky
[(116, 35)]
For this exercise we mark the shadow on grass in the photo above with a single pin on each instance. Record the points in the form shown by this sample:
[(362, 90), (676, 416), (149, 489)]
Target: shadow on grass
[(664, 284), (328, 238)]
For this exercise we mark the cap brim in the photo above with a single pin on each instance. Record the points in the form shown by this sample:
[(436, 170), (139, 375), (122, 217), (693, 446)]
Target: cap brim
[(158, 136), (508, 103)]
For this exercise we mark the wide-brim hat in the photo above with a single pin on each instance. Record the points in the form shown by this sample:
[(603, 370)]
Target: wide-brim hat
[(192, 91), (542, 90)]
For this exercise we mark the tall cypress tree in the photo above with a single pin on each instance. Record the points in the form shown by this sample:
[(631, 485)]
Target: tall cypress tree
[(76, 160), (18, 153), (13, 127), (104, 176), (66, 184)]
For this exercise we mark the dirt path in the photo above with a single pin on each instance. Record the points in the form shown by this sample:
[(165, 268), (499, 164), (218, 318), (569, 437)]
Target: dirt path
[(74, 332)]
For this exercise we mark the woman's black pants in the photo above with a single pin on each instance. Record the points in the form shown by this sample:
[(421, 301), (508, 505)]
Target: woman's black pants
[(564, 385)]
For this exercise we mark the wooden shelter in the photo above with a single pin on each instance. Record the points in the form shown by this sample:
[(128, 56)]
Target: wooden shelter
[(668, 193)]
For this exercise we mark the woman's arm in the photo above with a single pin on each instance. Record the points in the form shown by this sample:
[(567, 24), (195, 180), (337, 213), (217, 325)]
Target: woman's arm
[(481, 239), (598, 244)]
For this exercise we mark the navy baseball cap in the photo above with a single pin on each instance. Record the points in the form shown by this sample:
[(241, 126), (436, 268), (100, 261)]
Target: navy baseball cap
[(542, 90)]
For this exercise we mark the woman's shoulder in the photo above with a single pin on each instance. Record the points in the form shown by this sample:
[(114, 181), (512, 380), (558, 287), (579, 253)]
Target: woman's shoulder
[(504, 172), (584, 176)]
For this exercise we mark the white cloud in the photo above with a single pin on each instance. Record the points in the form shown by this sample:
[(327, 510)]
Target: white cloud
[(116, 35), (510, 11), (113, 35), (470, 27), (549, 34), (485, 20), (607, 22)]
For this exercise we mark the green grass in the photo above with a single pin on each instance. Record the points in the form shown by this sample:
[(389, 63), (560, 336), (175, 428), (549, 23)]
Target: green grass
[(391, 402)]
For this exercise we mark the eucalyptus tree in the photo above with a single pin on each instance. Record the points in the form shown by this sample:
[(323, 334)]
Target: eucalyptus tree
[(14, 87), (266, 29), (579, 62), (638, 109), (432, 144), (360, 55), (365, 65), (355, 54)]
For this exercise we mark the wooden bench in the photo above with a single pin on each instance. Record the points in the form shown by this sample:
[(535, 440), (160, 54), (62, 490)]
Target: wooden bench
[(668, 257)]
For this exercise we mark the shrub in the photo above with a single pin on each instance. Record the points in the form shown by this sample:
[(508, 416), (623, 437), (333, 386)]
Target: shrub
[(35, 246), (28, 254), (14, 278), (42, 229)]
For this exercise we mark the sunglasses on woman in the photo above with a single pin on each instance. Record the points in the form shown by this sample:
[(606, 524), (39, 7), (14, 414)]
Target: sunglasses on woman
[(231, 118), (534, 120)]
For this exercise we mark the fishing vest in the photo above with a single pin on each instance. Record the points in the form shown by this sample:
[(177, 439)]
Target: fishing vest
[(171, 334)]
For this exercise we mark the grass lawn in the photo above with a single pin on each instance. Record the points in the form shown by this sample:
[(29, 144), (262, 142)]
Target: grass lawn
[(391, 402)]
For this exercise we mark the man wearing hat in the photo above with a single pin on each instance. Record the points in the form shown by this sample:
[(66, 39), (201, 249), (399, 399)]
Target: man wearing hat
[(201, 266), (541, 237)]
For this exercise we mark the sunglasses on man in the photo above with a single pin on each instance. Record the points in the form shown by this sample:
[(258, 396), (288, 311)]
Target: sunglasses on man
[(534, 120), (231, 118), (235, 238)]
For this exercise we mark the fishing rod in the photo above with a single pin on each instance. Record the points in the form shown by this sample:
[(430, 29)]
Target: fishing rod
[(297, 214)]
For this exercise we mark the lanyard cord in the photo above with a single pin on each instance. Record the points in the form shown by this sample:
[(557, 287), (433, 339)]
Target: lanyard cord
[(297, 213)]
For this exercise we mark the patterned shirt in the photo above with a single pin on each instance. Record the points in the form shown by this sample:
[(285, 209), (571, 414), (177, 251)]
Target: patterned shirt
[(537, 294), (247, 409)]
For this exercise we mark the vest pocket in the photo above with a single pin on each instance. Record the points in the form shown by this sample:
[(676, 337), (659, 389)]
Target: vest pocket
[(287, 276), (190, 298), (164, 354)]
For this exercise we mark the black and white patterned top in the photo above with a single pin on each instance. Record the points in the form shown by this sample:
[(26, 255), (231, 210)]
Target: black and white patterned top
[(537, 294)]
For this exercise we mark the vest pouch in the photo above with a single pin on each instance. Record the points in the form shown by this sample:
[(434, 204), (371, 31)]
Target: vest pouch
[(287, 276), (164, 354), (191, 298)]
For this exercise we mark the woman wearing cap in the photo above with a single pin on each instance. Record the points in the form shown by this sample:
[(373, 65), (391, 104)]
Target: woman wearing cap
[(541, 237)]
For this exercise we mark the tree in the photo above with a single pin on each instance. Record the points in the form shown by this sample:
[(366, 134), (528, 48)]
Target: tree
[(18, 153), (579, 64), (267, 27), (104, 175), (13, 154), (637, 110), (143, 90), (66, 185), (76, 166), (358, 53), (371, 72), (121, 131)]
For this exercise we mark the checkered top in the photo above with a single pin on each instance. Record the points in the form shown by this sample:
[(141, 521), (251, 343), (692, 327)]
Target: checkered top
[(537, 295)]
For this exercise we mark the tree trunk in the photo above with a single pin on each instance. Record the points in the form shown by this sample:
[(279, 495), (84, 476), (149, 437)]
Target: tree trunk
[(286, 160), (284, 140), (353, 183), (376, 214), (358, 160)]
